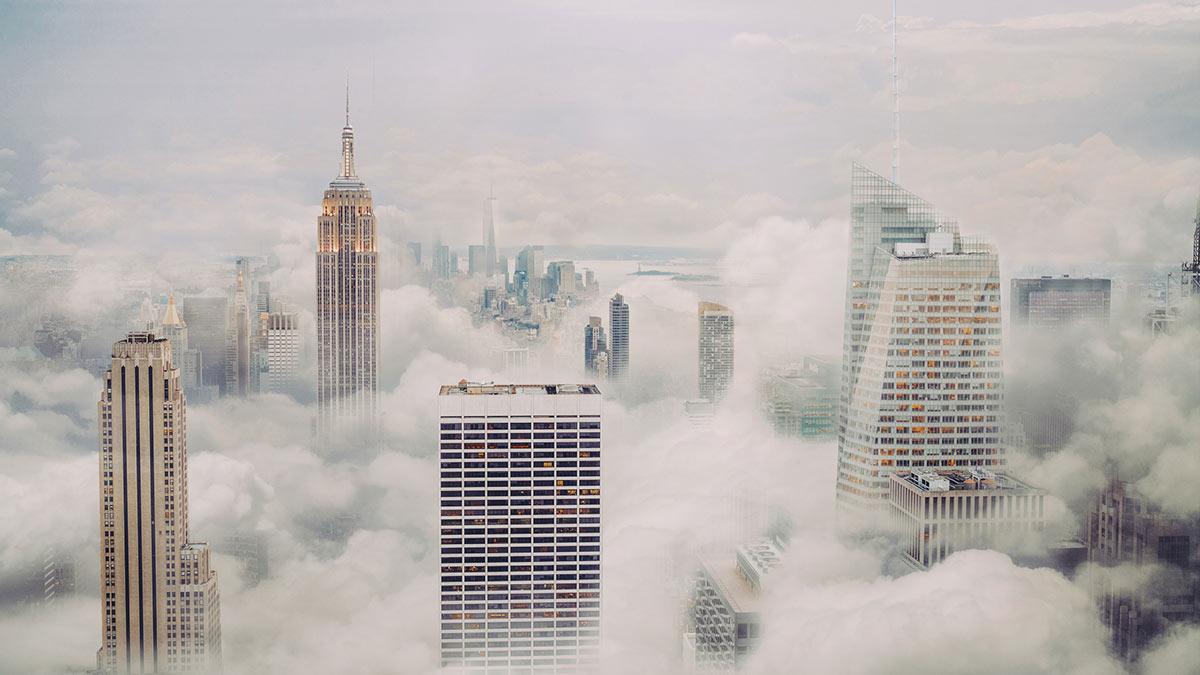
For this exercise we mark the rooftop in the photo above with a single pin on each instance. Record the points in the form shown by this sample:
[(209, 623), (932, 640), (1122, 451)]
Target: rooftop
[(465, 388), (955, 480)]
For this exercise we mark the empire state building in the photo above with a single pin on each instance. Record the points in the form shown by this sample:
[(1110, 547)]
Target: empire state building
[(347, 306)]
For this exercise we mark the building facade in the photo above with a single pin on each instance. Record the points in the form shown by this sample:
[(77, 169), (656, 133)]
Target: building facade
[(189, 362), (940, 512), (238, 343), (161, 609), (207, 319), (347, 305), (715, 370), (922, 379), (724, 618), (618, 344), (801, 399), (1054, 302), (520, 527), (594, 343), (1126, 530), (281, 342)]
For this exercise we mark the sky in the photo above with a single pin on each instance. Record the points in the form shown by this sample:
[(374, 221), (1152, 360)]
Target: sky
[(145, 140)]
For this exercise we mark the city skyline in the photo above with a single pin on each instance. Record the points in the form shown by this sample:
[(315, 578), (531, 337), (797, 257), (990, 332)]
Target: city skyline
[(390, 426)]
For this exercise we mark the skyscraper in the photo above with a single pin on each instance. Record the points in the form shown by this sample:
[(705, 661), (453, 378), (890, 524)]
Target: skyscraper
[(921, 372), (1053, 302), (618, 349), (489, 236), (594, 343), (237, 342), (207, 319), (161, 610), (347, 304), (476, 265), (281, 342), (189, 361), (520, 570), (715, 350)]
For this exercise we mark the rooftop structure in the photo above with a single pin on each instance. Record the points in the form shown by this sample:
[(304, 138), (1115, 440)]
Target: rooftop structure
[(1052, 302), (465, 388)]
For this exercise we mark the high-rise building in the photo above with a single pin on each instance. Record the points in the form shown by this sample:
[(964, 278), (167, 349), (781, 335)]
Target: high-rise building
[(414, 250), (1126, 531), (715, 350), (531, 261), (476, 263), (939, 512), (801, 399), (922, 376), (618, 347), (1052, 302), (520, 527), (441, 261), (161, 610), (190, 362), (594, 343), (489, 236), (347, 304), (238, 342), (281, 343), (1190, 270), (207, 319), (561, 274)]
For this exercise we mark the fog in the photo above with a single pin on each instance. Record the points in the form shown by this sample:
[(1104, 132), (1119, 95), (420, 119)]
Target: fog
[(144, 142)]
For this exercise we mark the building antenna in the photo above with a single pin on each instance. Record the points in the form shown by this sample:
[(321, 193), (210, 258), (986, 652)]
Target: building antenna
[(895, 102), (347, 99)]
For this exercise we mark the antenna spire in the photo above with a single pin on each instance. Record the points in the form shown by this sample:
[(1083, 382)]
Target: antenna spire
[(347, 99), (895, 101)]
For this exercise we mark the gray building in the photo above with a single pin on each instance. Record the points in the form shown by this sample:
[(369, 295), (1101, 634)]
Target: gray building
[(618, 344), (1126, 530), (477, 260), (724, 618), (715, 350), (207, 319), (1051, 302), (801, 399), (594, 343)]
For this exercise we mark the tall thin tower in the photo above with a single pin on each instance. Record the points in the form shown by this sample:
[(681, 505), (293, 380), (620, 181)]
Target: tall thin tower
[(895, 101), (489, 234), (347, 304)]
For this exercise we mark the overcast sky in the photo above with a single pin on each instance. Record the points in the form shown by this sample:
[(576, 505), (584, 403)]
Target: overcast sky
[(1069, 132)]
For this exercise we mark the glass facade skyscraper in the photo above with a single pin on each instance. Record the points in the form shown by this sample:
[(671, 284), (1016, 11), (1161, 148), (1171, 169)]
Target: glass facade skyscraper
[(922, 382), (618, 343)]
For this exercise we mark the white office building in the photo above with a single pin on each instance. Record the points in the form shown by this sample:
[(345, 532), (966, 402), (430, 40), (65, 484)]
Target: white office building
[(520, 527)]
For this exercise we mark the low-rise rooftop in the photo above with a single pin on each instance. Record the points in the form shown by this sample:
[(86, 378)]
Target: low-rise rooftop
[(465, 388), (955, 480)]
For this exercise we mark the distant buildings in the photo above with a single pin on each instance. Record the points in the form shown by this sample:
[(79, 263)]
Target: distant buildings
[(618, 348), (161, 609), (189, 361), (922, 379), (520, 569), (1054, 302), (801, 399), (940, 512), (1190, 270), (594, 344), (414, 250), (237, 343), (715, 336), (281, 342), (724, 622), (207, 319), (347, 304), (1163, 550), (489, 239), (250, 549), (477, 260), (441, 261)]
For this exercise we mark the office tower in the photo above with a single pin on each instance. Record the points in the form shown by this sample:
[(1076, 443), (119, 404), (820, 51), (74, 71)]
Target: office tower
[(414, 250), (618, 348), (921, 369), (476, 265), (188, 361), (520, 560), (347, 304), (1126, 531), (207, 319), (502, 268), (489, 236), (283, 351), (715, 350), (454, 265), (262, 297), (1053, 302), (939, 512), (561, 275), (441, 261), (801, 399), (724, 618), (249, 548), (531, 261), (594, 343), (161, 610), (237, 343)]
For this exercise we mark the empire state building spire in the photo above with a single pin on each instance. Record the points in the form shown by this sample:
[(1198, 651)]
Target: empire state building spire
[(347, 173)]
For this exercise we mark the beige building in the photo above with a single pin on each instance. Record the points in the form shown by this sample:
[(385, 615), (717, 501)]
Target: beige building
[(347, 304), (940, 512), (715, 370), (161, 609)]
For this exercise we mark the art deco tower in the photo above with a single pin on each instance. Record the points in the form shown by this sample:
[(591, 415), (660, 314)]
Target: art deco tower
[(347, 305), (161, 611)]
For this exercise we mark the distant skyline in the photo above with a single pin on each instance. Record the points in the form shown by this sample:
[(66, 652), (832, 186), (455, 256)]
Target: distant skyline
[(638, 123)]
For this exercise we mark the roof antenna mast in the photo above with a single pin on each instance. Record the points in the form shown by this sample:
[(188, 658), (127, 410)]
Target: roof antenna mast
[(895, 102)]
